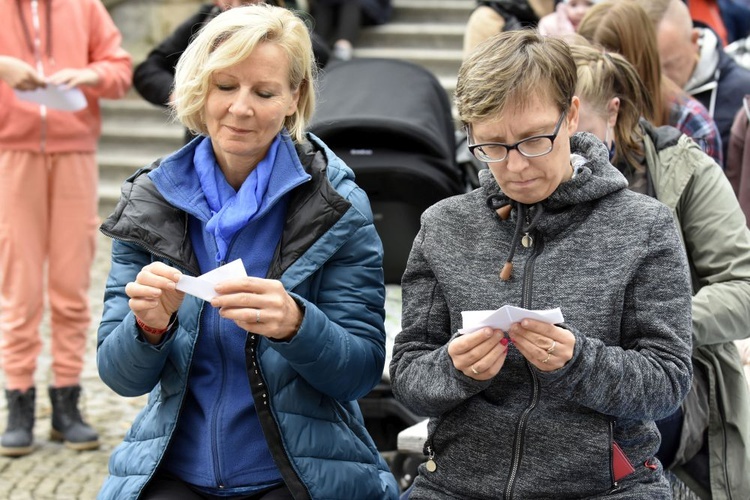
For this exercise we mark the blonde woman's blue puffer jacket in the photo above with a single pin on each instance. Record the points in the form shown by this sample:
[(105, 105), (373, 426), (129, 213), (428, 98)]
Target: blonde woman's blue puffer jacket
[(305, 390)]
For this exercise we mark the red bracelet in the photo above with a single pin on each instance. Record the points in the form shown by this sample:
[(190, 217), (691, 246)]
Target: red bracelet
[(153, 331)]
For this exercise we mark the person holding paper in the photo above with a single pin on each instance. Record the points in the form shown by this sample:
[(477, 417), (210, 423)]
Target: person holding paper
[(706, 438), (252, 393), (563, 410), (57, 59)]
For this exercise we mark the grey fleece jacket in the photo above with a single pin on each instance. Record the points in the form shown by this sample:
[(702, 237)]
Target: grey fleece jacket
[(612, 260)]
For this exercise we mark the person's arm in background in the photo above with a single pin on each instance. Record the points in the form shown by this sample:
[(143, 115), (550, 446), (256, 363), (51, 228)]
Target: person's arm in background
[(109, 72), (153, 78), (19, 74), (718, 244), (738, 157)]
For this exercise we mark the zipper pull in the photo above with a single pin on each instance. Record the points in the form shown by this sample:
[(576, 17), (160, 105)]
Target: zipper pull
[(527, 241), (430, 465)]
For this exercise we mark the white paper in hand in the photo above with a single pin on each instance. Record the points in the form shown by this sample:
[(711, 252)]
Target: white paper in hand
[(505, 316), (203, 286), (55, 97)]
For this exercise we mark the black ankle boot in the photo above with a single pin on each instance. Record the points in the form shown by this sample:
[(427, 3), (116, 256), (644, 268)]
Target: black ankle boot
[(67, 424), (18, 438)]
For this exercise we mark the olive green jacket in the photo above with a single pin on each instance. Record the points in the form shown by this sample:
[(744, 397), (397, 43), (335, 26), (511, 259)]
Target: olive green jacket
[(712, 227)]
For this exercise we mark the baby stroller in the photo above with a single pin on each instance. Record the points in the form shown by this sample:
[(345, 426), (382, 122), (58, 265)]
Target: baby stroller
[(391, 122)]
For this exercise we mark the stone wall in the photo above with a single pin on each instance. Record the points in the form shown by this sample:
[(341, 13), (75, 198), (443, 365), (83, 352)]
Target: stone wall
[(144, 23)]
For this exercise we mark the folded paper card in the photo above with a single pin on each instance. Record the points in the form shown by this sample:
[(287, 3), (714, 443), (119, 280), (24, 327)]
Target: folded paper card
[(55, 97), (505, 316), (203, 286)]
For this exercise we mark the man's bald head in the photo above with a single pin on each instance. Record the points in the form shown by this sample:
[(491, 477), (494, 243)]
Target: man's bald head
[(677, 39)]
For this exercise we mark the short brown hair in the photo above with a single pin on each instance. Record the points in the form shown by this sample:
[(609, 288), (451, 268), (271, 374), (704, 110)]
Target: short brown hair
[(514, 67)]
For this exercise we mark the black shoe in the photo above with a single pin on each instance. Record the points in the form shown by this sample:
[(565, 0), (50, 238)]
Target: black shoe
[(67, 424), (18, 439)]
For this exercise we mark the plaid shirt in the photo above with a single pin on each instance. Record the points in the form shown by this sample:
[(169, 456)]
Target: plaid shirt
[(693, 120)]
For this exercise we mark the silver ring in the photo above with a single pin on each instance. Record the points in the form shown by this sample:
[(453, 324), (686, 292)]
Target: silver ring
[(552, 347), (474, 370), (547, 358), (257, 315)]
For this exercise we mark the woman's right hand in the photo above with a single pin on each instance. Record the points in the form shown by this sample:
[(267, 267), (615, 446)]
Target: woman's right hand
[(154, 296), (479, 355)]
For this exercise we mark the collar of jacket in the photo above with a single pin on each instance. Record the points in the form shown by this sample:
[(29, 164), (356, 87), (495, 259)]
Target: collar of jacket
[(594, 178), (671, 161), (705, 77), (143, 217)]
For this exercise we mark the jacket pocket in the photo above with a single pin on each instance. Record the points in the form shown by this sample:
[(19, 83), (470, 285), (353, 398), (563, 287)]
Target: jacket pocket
[(621, 466), (619, 462)]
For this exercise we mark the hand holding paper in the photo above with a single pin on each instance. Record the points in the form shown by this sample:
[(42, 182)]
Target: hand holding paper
[(505, 316), (55, 97), (203, 286)]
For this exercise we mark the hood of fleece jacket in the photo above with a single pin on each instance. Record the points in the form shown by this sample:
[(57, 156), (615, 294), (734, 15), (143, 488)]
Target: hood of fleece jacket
[(595, 178), (704, 75)]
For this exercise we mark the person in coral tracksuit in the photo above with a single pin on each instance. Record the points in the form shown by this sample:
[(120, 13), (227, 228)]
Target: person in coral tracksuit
[(48, 201)]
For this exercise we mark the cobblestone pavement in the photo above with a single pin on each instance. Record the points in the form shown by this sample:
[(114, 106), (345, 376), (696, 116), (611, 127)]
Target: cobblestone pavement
[(53, 471)]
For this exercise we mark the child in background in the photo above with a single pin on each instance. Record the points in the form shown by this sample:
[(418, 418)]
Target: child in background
[(566, 17)]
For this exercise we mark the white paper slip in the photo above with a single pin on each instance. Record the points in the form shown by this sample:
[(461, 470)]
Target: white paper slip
[(55, 97), (505, 316), (203, 285)]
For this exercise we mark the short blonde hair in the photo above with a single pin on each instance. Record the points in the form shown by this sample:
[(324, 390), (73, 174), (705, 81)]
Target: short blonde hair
[(230, 38), (514, 67)]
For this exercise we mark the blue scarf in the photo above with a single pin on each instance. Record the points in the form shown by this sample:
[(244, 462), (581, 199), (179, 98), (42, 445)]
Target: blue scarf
[(231, 210)]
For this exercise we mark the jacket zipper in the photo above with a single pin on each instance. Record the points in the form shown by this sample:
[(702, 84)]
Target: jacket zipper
[(615, 484), (295, 483), (40, 69), (215, 429), (518, 440), (429, 449), (724, 466)]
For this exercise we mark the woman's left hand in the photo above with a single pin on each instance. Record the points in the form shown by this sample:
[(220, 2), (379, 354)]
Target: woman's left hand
[(548, 347), (260, 306)]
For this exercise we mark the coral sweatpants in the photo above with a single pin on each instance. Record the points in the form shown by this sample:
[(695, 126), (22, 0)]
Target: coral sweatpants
[(48, 221)]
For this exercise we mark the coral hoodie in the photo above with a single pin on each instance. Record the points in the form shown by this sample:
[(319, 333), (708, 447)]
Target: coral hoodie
[(52, 35)]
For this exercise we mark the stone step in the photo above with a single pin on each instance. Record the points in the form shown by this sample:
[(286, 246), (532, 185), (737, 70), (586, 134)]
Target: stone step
[(443, 63), (435, 11), (132, 109), (146, 137), (409, 35)]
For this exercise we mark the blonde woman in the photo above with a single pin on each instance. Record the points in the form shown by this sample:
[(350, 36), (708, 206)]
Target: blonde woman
[(253, 392)]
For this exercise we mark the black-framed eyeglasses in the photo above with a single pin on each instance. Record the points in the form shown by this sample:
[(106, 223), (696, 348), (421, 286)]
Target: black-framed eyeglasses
[(531, 147)]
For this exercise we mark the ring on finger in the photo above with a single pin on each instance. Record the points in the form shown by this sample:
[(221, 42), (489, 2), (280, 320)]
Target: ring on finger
[(547, 358), (551, 348), (474, 370), (257, 315)]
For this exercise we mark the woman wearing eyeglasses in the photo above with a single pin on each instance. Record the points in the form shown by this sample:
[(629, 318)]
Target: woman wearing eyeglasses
[(542, 410)]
